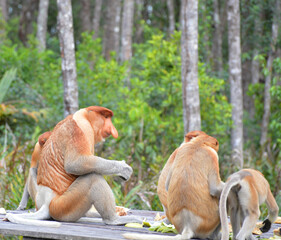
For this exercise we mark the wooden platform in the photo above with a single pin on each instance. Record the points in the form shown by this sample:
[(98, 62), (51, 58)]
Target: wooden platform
[(85, 230)]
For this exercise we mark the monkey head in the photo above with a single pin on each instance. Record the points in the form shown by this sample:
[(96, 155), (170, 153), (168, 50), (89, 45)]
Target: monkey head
[(100, 120), (193, 134), (210, 141)]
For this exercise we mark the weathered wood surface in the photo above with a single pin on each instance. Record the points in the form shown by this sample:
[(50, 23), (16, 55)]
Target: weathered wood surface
[(85, 230)]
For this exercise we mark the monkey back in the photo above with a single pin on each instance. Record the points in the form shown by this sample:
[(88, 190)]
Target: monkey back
[(51, 172)]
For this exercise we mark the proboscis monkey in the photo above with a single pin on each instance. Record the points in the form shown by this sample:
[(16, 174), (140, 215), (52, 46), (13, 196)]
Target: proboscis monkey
[(244, 192), (70, 177), (193, 185), (161, 190), (30, 188)]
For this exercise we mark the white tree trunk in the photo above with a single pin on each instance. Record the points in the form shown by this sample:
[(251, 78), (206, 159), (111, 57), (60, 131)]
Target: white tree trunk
[(267, 86), (112, 28), (189, 69), (127, 29), (42, 24), (96, 18), (4, 8), (235, 81), (68, 64), (171, 14)]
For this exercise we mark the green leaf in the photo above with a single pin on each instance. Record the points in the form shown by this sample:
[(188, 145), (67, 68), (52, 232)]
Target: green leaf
[(6, 81)]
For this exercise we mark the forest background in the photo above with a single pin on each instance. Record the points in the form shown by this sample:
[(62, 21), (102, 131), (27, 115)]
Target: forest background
[(128, 58)]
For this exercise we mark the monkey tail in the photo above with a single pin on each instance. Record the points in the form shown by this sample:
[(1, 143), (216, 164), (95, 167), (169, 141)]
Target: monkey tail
[(139, 236), (35, 219), (223, 208)]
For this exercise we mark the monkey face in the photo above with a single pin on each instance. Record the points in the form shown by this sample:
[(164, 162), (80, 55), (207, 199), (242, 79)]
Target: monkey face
[(100, 119)]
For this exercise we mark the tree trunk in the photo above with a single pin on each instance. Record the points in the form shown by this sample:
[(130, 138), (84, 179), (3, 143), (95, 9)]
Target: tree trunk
[(127, 29), (65, 29), (26, 18), (96, 18), (42, 24), (4, 8), (255, 65), (139, 26), (267, 86), (217, 39), (235, 81), (189, 69), (85, 15), (171, 13), (112, 28), (204, 39)]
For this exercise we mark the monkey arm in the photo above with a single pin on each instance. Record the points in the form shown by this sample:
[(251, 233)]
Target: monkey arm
[(215, 185), (88, 164), (168, 179)]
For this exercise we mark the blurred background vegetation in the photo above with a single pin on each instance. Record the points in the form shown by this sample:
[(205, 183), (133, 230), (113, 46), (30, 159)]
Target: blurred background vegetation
[(147, 114)]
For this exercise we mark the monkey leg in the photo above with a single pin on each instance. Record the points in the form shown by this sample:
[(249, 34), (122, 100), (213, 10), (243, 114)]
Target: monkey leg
[(235, 219), (24, 198), (248, 226), (216, 235), (83, 192)]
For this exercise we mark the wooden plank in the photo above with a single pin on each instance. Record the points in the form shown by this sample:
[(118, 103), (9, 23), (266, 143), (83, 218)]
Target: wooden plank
[(77, 231), (85, 230)]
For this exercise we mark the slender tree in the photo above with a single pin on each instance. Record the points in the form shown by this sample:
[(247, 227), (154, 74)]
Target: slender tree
[(171, 14), (112, 28), (68, 64), (234, 61), (267, 86), (85, 15), (26, 19), (127, 29), (3, 19), (42, 24), (189, 69), (255, 64), (139, 27), (96, 18), (217, 39), (4, 9)]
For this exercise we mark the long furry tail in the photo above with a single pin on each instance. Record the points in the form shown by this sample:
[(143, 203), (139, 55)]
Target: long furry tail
[(223, 208), (16, 218), (35, 219)]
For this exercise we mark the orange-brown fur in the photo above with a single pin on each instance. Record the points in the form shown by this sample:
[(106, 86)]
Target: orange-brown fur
[(246, 190), (70, 177), (189, 185), (161, 191), (67, 138), (37, 149)]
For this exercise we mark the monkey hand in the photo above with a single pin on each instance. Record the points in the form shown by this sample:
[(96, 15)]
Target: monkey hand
[(125, 171), (266, 226)]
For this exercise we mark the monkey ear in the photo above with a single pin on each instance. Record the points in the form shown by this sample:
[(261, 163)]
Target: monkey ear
[(43, 138)]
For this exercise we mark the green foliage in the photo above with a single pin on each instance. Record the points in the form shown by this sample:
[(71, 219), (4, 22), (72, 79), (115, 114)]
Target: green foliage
[(147, 101), (148, 107), (6, 81)]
